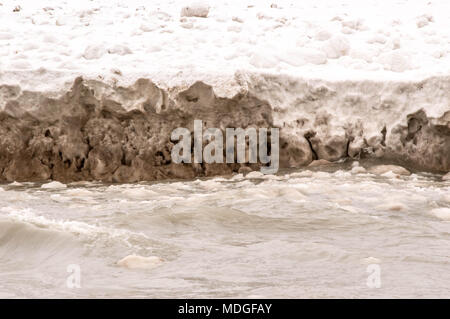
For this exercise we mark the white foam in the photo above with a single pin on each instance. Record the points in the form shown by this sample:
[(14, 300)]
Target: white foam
[(75, 227), (370, 260), (390, 174), (321, 174), (59, 198), (272, 177), (441, 213), (358, 170), (237, 177), (139, 193), (79, 192), (446, 198), (341, 173), (245, 183), (210, 184), (389, 170), (254, 174), (15, 184), (219, 179), (54, 185), (305, 173)]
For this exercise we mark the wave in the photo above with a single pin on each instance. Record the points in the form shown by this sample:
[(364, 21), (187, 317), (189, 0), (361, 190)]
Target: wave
[(26, 223)]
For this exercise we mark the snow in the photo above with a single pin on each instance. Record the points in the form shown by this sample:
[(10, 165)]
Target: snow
[(337, 47), (45, 44)]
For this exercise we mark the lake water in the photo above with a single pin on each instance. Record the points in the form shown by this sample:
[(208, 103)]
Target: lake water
[(297, 234)]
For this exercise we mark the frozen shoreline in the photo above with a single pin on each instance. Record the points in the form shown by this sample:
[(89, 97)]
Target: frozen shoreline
[(92, 91)]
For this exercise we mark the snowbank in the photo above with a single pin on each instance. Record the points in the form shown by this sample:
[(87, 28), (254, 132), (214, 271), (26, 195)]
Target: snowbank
[(340, 79), (124, 41)]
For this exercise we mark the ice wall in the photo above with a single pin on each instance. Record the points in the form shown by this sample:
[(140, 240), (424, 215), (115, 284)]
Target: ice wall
[(100, 131)]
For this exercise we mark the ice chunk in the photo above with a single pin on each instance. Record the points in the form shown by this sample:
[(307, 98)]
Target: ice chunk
[(383, 169), (197, 9), (336, 47), (396, 61), (54, 185), (139, 262), (119, 49), (94, 52), (441, 213)]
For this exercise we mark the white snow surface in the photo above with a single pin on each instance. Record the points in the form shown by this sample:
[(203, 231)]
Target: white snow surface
[(45, 44)]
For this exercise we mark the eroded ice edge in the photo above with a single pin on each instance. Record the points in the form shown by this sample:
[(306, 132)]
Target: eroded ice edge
[(97, 131)]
